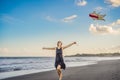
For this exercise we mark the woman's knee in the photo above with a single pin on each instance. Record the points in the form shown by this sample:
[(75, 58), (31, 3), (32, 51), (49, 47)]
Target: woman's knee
[(58, 67)]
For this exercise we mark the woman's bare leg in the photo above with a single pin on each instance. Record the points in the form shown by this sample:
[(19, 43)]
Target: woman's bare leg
[(59, 72), (60, 75)]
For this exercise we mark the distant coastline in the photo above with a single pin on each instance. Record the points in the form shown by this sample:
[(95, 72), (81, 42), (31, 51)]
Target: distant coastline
[(96, 55)]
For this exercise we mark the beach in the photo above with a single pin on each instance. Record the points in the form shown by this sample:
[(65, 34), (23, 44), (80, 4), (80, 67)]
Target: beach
[(103, 70)]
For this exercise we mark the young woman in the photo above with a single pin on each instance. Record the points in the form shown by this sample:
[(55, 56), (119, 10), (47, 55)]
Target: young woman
[(59, 61)]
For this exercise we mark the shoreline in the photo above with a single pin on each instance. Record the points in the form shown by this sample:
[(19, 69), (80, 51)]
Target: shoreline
[(107, 66), (28, 72)]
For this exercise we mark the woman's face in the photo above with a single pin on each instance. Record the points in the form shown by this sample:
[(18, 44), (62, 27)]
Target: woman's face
[(59, 43)]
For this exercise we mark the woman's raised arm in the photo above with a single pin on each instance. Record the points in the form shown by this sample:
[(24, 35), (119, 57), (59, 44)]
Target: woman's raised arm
[(50, 48), (69, 45)]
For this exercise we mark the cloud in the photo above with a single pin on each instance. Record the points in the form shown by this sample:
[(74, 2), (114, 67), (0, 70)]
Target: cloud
[(110, 49), (102, 29), (3, 50), (115, 23), (9, 19), (70, 18), (80, 2), (66, 19), (113, 3), (116, 48), (99, 8), (105, 29), (49, 18)]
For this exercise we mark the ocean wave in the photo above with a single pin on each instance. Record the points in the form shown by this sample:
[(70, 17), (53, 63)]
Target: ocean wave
[(8, 69), (17, 64)]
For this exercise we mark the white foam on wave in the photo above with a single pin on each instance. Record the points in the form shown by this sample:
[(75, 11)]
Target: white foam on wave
[(20, 73), (75, 64)]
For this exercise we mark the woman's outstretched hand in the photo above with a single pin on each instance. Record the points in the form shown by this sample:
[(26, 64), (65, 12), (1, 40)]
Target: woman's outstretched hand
[(74, 43)]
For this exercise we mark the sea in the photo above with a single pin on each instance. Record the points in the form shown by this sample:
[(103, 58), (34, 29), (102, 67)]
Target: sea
[(17, 66)]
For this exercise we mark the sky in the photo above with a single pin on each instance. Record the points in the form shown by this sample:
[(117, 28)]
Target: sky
[(26, 26)]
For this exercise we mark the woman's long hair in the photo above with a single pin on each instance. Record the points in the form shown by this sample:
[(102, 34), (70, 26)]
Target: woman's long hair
[(58, 43)]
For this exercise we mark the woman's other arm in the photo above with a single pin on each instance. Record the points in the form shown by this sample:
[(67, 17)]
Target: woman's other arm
[(49, 48), (69, 45)]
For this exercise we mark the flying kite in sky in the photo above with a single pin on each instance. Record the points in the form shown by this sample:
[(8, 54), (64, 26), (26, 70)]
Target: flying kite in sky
[(97, 16)]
